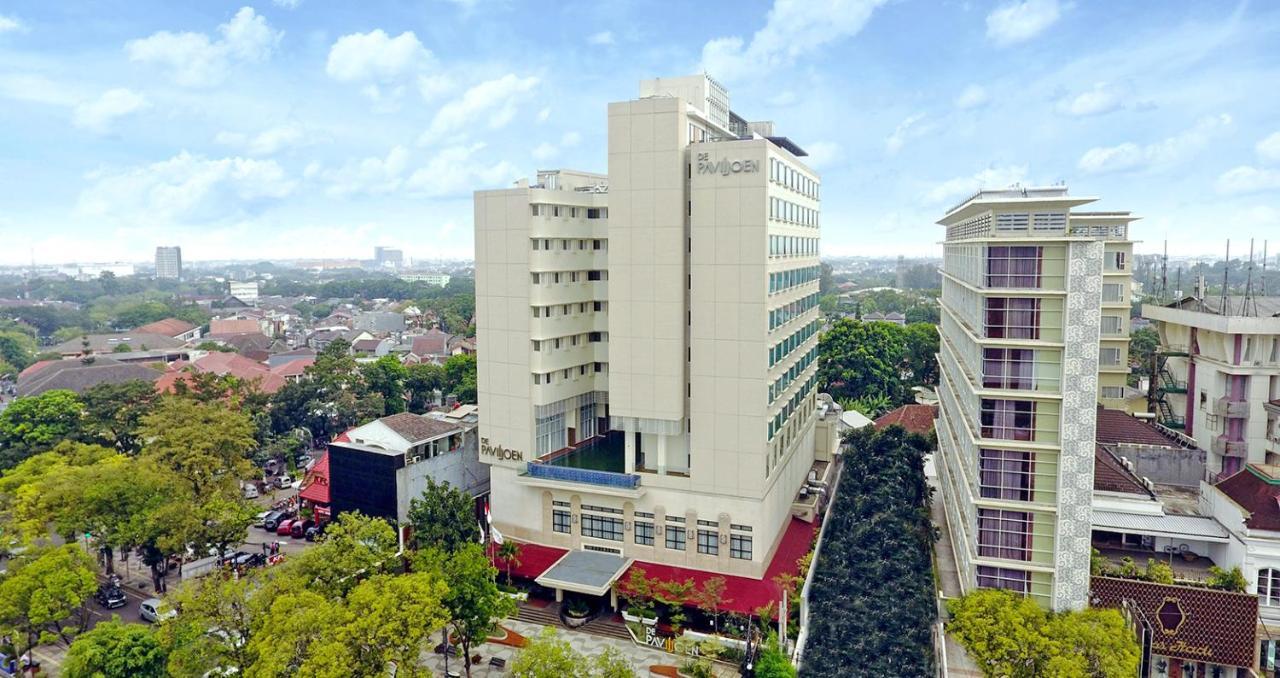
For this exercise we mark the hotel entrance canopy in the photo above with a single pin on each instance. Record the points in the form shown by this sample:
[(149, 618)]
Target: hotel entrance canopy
[(589, 572)]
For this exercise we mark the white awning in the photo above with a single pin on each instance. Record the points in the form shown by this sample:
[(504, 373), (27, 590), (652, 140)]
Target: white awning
[(1199, 528)]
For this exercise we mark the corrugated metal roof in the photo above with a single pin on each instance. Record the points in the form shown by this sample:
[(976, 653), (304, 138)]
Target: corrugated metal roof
[(1185, 527)]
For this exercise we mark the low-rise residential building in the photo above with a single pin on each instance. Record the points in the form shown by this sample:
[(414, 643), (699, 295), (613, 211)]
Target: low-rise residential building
[(379, 323), (1218, 368), (115, 341), (172, 327), (77, 375)]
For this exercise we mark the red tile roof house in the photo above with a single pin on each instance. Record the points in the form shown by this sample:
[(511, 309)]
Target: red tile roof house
[(222, 364), (172, 327), (914, 418)]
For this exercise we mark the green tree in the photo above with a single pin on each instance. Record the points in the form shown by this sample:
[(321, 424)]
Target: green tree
[(17, 348), (116, 650), (421, 382), (216, 620), (1226, 580), (547, 656), (460, 377), (858, 359), (32, 425), (354, 546), (473, 600), (443, 518), (921, 354), (1092, 642), (296, 622), (773, 663), (710, 598), (393, 617), (204, 444), (42, 590), (386, 376), (509, 554), (1143, 345), (113, 413)]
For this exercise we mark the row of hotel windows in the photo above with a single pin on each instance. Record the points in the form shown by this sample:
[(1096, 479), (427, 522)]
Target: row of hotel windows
[(612, 527), (569, 373), (782, 173), (783, 210), (781, 281), (787, 312), (567, 277), (565, 310), (793, 405), (792, 245), (547, 244), (570, 341), (778, 352), (779, 385), (551, 432), (1004, 534), (570, 211)]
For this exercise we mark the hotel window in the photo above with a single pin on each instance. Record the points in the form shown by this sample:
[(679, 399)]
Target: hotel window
[(550, 434), (1005, 474), (1045, 222), (1112, 392), (601, 527), (1012, 222), (644, 533), (1111, 324), (1109, 356), (1269, 586), (1008, 419), (1012, 368), (1014, 266), (1017, 581), (1012, 318), (1004, 534), (560, 521), (740, 546), (1115, 261), (1112, 292), (709, 542), (675, 538)]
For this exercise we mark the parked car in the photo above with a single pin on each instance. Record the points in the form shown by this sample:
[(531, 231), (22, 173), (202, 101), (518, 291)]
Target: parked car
[(313, 532), (244, 559), (285, 528), (283, 480), (272, 466), (299, 528), (272, 520), (110, 596), (250, 491), (149, 610), (261, 519)]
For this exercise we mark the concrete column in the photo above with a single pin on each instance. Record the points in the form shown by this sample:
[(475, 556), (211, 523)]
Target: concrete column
[(662, 453), (559, 595)]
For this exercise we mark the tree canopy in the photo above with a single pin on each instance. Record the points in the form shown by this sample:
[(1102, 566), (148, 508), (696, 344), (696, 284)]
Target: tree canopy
[(443, 518), (877, 361), (116, 650)]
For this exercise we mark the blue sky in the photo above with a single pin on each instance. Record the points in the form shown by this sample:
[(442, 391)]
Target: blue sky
[(300, 128)]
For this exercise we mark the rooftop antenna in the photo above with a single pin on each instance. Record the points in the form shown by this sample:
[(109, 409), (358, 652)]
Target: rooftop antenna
[(1264, 268), (1249, 307), (1164, 273), (1226, 270), (1179, 290)]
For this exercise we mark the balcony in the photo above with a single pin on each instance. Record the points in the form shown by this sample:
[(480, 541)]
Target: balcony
[(1221, 446), (569, 474), (1225, 407)]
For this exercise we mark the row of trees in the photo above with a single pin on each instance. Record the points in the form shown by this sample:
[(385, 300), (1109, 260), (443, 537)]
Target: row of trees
[(871, 366), (1011, 636), (872, 601)]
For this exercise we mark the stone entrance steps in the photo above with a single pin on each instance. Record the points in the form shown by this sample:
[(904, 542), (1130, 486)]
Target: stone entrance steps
[(606, 625)]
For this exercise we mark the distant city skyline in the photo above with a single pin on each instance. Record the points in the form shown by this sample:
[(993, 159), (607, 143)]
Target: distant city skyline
[(300, 129)]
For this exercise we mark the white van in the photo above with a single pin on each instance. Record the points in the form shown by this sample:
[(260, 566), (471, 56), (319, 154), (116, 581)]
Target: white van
[(250, 492)]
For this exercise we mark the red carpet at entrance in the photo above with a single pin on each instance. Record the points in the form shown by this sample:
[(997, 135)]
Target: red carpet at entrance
[(743, 594)]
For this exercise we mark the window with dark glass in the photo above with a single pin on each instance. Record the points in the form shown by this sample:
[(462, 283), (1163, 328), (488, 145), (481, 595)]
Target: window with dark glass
[(1014, 266), (644, 533), (1008, 368), (1004, 534), (1017, 581), (1012, 318), (674, 538), (740, 546), (560, 521), (601, 527), (1008, 419), (709, 542), (1005, 474)]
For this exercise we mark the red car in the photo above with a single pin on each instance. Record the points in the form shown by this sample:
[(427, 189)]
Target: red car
[(285, 528)]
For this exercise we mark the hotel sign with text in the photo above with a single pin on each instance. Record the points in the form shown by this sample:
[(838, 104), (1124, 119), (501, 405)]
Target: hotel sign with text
[(725, 167), (498, 452)]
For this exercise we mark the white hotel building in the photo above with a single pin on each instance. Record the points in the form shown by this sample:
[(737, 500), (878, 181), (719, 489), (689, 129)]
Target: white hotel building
[(650, 344)]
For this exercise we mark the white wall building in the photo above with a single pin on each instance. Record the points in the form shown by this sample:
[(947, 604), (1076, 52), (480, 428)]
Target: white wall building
[(667, 314), (244, 291)]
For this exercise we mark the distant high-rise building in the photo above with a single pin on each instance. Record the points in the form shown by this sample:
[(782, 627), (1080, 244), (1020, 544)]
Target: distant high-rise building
[(388, 256), (169, 263), (1035, 325)]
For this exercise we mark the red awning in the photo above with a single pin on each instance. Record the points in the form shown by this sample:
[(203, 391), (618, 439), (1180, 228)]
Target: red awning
[(316, 489), (743, 594), (534, 560)]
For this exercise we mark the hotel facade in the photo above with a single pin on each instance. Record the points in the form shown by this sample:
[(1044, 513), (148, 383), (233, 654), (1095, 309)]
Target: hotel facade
[(1034, 335), (650, 342)]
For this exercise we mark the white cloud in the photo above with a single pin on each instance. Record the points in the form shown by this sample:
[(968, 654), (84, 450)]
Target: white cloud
[(493, 102), (287, 4), (601, 38), (1269, 148), (10, 24), (543, 115), (194, 60), (36, 89), (186, 188), (1019, 21), (361, 57), (455, 171), (973, 96), (793, 29), (373, 175), (570, 139), (1245, 179), (544, 151), (904, 132), (823, 154), (991, 177), (97, 115), (1130, 156), (267, 142), (1101, 98), (432, 87)]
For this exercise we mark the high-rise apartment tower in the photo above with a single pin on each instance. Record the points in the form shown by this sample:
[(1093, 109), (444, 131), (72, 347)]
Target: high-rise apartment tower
[(169, 263)]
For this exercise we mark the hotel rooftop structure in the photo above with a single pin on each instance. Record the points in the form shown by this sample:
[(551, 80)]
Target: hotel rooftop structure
[(650, 349), (1035, 325)]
